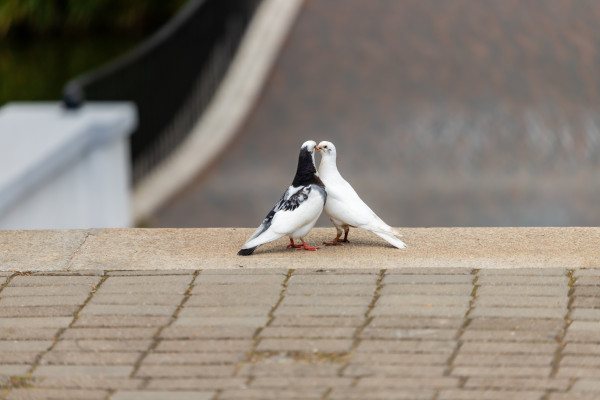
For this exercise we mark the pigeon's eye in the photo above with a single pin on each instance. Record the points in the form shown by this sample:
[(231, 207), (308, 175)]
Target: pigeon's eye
[(324, 147)]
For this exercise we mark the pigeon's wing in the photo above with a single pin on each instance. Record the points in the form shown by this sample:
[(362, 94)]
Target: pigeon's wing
[(284, 218)]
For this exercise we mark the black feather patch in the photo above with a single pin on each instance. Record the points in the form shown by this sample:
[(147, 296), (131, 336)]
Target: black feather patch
[(247, 252)]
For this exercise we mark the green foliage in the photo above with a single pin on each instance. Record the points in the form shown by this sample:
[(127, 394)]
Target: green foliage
[(41, 17)]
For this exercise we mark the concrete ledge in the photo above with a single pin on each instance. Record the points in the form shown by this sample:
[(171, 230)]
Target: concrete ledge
[(170, 249)]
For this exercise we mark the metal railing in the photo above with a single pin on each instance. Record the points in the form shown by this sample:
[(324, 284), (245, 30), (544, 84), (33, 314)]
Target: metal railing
[(171, 77)]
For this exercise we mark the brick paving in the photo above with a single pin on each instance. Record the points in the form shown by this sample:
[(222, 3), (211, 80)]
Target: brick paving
[(432, 334)]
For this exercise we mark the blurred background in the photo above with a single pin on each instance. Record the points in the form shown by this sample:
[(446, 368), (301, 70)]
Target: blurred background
[(444, 113)]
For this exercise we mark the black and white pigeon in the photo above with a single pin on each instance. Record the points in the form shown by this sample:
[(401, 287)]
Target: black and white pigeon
[(344, 207), (298, 209)]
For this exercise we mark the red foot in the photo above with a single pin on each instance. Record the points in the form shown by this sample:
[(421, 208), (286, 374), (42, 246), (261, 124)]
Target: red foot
[(292, 244), (307, 247), (336, 242)]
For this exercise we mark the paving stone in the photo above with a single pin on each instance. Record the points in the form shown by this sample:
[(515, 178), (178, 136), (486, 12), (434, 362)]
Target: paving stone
[(154, 272), (161, 395), (208, 332), (585, 313), (509, 336), (215, 345), (415, 311), (301, 382), (108, 371), (439, 279), (383, 382), (330, 290), (35, 311), (14, 369), (196, 383), (25, 301), (354, 394), (233, 299), (25, 345), (305, 345), (102, 345), (272, 394), (504, 360), (149, 280), (406, 346), (459, 394), (586, 385), (342, 271), (582, 335), (326, 301), (89, 358), (357, 370), (400, 358), (181, 371), (584, 326), (416, 323), (63, 394), (136, 309), (580, 360), (586, 291), (522, 290), (28, 333), (266, 280), (433, 288), (109, 333), (423, 300), (87, 382), (320, 310), (307, 332), (124, 299), (521, 312), (508, 348), (20, 291), (588, 280), (572, 396), (221, 321), (42, 322), (500, 371), (581, 348), (225, 311), (121, 321), (324, 321), (586, 302), (429, 271), (18, 357), (586, 272), (517, 324), (195, 358), (516, 383), (523, 272), (348, 278), (125, 288), (523, 301), (578, 372), (50, 280), (289, 368), (523, 280), (400, 333), (246, 271)]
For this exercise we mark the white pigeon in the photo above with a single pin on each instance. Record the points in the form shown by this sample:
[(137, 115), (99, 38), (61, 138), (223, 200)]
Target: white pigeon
[(344, 207), (298, 209)]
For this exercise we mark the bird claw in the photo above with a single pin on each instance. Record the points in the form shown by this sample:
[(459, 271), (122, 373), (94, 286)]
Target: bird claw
[(297, 246), (306, 247)]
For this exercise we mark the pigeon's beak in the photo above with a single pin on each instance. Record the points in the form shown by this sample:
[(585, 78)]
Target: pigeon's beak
[(317, 148)]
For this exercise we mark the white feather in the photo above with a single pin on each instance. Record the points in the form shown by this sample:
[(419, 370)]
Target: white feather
[(344, 206)]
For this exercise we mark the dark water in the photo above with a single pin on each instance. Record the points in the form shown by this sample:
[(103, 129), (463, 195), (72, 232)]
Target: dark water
[(37, 69)]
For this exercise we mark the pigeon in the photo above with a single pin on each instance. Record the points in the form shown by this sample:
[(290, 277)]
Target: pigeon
[(344, 207), (298, 209)]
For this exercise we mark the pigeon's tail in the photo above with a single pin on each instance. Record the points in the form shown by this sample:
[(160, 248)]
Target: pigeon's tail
[(394, 241), (247, 252)]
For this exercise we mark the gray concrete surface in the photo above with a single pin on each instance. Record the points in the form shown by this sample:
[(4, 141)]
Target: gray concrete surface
[(172, 249), (279, 333)]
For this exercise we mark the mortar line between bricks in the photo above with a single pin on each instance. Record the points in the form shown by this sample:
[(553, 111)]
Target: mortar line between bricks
[(60, 332), (156, 338), (561, 336), (255, 336), (462, 329), (356, 336)]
